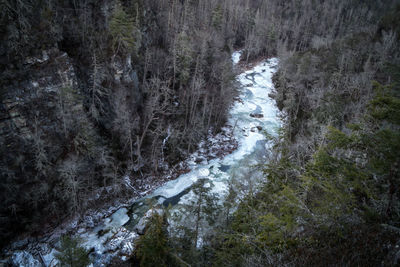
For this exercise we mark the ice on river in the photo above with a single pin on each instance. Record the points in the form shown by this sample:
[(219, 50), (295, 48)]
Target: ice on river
[(256, 85), (184, 181), (102, 233)]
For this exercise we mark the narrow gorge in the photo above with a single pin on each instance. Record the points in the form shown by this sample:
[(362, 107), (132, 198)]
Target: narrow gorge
[(199, 133)]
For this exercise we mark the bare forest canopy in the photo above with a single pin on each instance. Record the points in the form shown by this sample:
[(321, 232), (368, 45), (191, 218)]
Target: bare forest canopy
[(91, 90)]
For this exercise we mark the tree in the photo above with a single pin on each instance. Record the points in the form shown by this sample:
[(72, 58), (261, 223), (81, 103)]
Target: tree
[(158, 97), (203, 208), (71, 254), (125, 35), (217, 17), (72, 182), (152, 247), (126, 122), (97, 91), (346, 194), (41, 158), (182, 57), (193, 224), (66, 100)]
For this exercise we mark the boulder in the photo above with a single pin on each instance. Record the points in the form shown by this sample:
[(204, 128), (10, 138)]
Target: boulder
[(141, 226), (256, 115)]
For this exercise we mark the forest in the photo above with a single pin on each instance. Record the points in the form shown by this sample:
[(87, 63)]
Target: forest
[(100, 99)]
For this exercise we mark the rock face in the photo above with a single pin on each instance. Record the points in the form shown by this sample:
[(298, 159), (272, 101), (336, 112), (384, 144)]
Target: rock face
[(39, 114), (32, 103), (87, 97), (56, 124)]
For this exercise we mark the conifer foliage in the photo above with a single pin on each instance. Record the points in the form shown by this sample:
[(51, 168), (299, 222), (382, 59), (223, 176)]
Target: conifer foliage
[(71, 254), (152, 248), (124, 33)]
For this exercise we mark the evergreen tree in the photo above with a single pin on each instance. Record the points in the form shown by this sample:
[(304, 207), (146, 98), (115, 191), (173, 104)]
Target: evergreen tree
[(217, 16), (71, 254), (193, 225), (125, 35), (152, 247), (344, 195), (183, 57)]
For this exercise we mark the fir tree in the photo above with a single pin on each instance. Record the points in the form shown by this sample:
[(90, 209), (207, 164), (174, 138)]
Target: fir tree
[(71, 254), (123, 31), (152, 248)]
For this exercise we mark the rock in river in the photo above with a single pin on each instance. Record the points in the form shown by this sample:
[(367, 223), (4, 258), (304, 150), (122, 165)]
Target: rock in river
[(256, 115)]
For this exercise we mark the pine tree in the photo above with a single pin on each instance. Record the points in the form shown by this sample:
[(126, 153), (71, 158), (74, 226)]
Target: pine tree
[(217, 17), (346, 194), (183, 57), (123, 31), (152, 248), (71, 254)]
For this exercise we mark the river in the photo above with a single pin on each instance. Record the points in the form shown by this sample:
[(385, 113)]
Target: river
[(252, 118)]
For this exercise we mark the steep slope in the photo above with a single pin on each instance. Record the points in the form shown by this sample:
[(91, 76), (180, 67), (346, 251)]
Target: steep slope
[(92, 91), (331, 192)]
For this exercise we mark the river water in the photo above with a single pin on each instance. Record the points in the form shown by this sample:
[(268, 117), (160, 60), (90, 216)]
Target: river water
[(250, 118), (254, 115)]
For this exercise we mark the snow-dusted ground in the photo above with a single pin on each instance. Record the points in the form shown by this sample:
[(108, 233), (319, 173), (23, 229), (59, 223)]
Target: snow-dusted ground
[(116, 234)]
